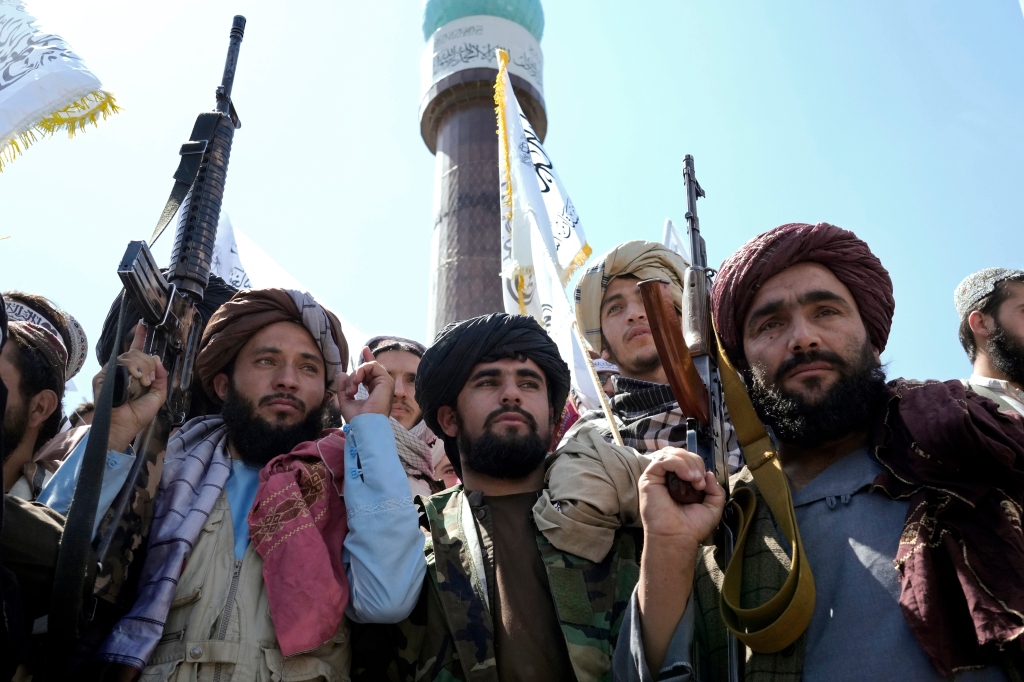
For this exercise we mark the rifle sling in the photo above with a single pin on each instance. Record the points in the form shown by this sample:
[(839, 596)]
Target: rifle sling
[(192, 154), (76, 560), (781, 620)]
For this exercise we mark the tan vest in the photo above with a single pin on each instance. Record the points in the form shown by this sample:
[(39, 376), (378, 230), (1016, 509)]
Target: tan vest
[(219, 628)]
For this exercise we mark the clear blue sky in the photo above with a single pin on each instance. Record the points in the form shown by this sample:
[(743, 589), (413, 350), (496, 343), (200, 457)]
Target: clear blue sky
[(900, 120)]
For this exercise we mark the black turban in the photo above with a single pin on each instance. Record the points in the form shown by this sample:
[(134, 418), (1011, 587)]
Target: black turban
[(217, 293), (460, 346)]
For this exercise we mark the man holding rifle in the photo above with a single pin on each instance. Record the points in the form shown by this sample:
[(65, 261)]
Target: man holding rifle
[(268, 534), (610, 311), (907, 497)]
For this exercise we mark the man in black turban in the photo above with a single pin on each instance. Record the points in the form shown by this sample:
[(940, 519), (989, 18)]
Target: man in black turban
[(498, 596)]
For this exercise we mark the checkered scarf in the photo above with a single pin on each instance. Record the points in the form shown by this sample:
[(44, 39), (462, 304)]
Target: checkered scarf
[(649, 419)]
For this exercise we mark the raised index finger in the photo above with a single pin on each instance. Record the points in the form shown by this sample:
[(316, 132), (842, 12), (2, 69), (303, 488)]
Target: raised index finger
[(139, 342)]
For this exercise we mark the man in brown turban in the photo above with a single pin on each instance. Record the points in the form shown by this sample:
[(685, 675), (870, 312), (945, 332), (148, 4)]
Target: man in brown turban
[(907, 495), (211, 603)]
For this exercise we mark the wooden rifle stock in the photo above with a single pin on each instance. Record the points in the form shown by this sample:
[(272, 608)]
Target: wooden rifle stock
[(686, 384)]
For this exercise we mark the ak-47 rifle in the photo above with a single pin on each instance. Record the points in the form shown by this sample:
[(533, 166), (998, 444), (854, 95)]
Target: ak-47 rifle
[(688, 354), (95, 581)]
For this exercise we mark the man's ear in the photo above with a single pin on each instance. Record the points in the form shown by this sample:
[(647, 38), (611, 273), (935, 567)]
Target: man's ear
[(447, 421), (42, 405), (221, 384), (981, 325)]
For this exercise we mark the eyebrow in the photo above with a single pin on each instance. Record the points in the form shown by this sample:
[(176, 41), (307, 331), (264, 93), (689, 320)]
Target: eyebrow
[(277, 351), (495, 372), (815, 296), (611, 299)]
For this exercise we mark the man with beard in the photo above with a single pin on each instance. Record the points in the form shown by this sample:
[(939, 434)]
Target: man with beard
[(499, 601), (991, 307), (906, 496), (217, 600), (610, 311), (418, 448)]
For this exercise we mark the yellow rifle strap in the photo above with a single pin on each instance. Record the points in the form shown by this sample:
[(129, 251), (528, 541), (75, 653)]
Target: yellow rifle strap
[(781, 620)]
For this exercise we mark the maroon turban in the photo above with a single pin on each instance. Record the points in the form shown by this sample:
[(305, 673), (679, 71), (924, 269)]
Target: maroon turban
[(768, 254)]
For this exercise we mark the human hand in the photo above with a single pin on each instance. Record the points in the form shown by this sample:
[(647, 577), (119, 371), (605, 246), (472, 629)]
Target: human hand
[(377, 381), (129, 419), (684, 525)]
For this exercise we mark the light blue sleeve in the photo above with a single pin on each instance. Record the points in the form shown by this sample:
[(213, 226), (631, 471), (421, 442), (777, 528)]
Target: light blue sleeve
[(383, 552), (629, 663), (60, 488)]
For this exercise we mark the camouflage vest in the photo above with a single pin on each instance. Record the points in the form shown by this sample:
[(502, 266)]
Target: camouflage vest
[(450, 634)]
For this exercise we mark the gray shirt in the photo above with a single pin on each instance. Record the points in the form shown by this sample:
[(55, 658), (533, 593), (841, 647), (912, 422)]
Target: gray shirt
[(858, 631)]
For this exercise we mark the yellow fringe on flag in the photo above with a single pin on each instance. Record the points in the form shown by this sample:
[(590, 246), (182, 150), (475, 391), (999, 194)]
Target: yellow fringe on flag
[(72, 118), (578, 261), (499, 109)]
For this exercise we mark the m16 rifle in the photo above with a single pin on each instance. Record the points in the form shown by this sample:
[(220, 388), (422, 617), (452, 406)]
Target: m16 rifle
[(688, 354), (95, 580)]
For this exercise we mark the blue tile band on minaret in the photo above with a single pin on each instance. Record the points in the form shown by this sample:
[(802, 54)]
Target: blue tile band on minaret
[(458, 124)]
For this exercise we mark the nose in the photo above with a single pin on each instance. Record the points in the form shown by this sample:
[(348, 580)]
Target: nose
[(286, 379), (401, 390), (803, 336), (511, 395), (635, 311)]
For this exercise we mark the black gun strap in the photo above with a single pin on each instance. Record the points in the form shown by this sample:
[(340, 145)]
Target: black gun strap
[(76, 563), (192, 153)]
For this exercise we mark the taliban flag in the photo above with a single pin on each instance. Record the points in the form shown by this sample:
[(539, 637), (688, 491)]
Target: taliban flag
[(44, 86), (542, 241)]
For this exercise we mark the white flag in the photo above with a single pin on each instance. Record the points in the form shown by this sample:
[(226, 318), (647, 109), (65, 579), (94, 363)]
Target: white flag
[(233, 248), (672, 240), (542, 240), (44, 86)]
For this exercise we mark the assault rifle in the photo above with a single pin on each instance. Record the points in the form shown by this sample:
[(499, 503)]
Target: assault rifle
[(95, 581), (688, 354)]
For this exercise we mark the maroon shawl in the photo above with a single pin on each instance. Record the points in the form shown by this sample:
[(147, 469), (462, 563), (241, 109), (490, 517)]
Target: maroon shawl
[(961, 556)]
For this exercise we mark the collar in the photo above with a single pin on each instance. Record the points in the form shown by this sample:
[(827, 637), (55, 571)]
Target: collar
[(998, 385), (637, 395), (850, 475)]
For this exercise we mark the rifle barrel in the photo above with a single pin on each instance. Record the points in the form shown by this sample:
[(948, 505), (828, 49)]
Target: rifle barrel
[(228, 80)]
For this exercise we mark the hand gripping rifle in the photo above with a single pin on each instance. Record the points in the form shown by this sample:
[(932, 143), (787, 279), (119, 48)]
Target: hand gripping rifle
[(688, 354), (95, 581)]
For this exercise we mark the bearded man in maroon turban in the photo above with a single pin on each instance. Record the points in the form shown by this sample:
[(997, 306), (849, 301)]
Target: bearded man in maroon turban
[(907, 495)]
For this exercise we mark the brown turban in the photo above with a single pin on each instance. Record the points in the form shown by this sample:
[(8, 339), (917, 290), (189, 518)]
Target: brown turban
[(768, 254), (251, 310)]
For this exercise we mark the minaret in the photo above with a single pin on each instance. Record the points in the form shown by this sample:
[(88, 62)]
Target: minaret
[(458, 124)]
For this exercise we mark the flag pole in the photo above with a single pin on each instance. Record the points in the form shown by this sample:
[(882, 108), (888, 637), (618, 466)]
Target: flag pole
[(605, 405)]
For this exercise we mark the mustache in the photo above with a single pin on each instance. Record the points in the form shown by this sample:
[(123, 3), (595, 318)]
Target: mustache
[(531, 422), (808, 358), (282, 396)]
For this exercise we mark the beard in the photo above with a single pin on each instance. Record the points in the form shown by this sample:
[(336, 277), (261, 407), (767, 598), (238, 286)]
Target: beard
[(14, 427), (256, 439), (847, 407), (1006, 352), (507, 456)]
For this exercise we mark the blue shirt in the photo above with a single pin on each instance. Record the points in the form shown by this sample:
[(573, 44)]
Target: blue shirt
[(857, 632), (383, 551)]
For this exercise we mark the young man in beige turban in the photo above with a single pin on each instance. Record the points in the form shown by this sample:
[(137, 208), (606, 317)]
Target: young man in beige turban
[(253, 499), (907, 552)]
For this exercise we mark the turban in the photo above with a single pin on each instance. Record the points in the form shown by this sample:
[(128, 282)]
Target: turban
[(216, 294), (768, 254), (44, 340), (251, 310), (67, 328), (460, 346), (643, 260)]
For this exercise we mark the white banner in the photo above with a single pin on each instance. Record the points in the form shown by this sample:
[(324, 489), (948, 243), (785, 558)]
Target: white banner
[(542, 240), (470, 43), (672, 239), (44, 86)]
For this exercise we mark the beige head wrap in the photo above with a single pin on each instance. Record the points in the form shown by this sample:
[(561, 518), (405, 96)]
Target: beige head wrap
[(644, 260)]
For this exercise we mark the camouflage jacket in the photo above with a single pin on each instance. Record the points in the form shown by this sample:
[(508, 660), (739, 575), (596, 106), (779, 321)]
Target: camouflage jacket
[(450, 633)]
